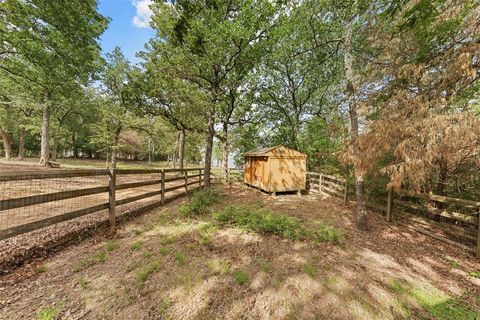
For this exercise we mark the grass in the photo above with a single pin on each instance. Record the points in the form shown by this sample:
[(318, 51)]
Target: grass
[(145, 273), (260, 220), (111, 246), (206, 233), (83, 283), (436, 304), (475, 274), (218, 266), (137, 245), (266, 266), (163, 306), (240, 276), (48, 313), (99, 257), (41, 269), (310, 270), (165, 250), (199, 203), (326, 233), (180, 258)]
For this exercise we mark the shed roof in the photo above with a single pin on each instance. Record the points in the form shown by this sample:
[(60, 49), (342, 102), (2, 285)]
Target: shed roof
[(274, 151)]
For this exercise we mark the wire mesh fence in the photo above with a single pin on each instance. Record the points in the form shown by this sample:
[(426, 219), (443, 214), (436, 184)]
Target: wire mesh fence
[(33, 200)]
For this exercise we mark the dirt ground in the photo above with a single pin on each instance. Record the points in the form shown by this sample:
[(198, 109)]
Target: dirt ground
[(163, 266)]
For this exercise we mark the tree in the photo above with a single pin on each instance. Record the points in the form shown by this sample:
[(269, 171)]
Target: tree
[(56, 52), (205, 41)]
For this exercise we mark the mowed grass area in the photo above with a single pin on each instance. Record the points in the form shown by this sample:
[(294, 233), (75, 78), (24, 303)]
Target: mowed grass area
[(237, 253)]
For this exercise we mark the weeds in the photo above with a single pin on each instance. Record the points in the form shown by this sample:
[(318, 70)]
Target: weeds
[(260, 220), (99, 257), (263, 220), (241, 277), (217, 266), (111, 245), (180, 258), (165, 250), (475, 274), (436, 304), (310, 270), (83, 283), (327, 234), (206, 233), (266, 266), (136, 245), (145, 273), (163, 306), (48, 313), (198, 203)]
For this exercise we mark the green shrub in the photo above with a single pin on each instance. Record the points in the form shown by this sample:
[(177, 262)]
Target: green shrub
[(261, 220), (198, 203)]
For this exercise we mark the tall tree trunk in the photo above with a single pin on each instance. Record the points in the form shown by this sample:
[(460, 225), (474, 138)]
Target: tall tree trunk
[(44, 149), (225, 170), (7, 143), (116, 139), (54, 147), (209, 149), (74, 145), (442, 177), (21, 144), (352, 106), (149, 151), (181, 150)]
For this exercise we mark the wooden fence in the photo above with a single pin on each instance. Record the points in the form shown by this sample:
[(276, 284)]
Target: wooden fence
[(452, 220), (183, 179), (325, 183)]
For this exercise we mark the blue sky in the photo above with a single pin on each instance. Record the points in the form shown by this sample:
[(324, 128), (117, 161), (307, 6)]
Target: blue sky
[(128, 28)]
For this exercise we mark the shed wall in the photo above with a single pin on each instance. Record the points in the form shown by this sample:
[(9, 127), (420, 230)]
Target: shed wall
[(287, 174)]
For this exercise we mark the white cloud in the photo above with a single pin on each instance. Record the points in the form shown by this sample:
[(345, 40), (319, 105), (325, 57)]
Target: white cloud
[(144, 13)]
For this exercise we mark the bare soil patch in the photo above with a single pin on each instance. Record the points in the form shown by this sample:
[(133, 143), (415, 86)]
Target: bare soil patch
[(165, 266)]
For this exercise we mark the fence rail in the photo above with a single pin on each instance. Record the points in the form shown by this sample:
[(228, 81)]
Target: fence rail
[(452, 220), (16, 195)]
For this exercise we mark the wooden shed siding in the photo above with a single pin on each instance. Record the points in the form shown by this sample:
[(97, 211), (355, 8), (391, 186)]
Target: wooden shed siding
[(276, 169), (287, 174)]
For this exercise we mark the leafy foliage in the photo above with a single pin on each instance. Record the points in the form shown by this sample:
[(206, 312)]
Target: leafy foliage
[(199, 202)]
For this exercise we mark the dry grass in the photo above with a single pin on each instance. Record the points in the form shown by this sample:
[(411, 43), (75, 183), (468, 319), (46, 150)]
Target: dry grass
[(195, 269)]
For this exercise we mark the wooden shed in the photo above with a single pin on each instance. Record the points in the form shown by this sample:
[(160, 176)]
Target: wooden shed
[(276, 169)]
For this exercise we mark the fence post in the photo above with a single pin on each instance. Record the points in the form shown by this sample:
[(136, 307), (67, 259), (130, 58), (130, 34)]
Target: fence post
[(320, 179), (185, 175), (478, 233), (163, 186), (112, 177), (389, 205), (345, 196), (199, 178)]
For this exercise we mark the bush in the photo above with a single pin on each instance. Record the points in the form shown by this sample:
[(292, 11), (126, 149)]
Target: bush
[(261, 220), (198, 203)]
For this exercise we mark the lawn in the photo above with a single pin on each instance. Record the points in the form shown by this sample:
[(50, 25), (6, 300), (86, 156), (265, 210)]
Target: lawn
[(240, 254)]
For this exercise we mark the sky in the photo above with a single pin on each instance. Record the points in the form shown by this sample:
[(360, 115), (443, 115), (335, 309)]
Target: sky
[(128, 28)]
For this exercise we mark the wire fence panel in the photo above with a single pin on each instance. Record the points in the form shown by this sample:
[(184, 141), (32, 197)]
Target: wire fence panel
[(33, 200)]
